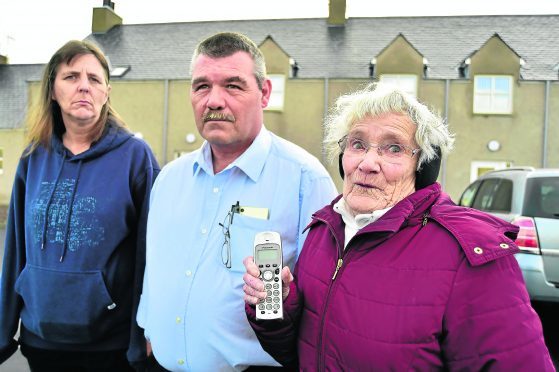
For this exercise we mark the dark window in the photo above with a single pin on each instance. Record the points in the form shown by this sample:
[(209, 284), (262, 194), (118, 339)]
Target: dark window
[(467, 197), (494, 195), (542, 197)]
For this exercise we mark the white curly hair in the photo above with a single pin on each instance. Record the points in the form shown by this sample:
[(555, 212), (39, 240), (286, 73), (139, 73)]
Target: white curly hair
[(377, 99)]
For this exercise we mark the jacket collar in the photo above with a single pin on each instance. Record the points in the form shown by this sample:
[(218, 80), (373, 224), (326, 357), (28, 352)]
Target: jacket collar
[(408, 211), (482, 237)]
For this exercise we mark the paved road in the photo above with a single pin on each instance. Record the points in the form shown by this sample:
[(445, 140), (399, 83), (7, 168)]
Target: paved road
[(549, 314)]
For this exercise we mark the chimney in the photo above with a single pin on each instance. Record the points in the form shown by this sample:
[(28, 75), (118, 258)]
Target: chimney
[(105, 18), (4, 49), (336, 12)]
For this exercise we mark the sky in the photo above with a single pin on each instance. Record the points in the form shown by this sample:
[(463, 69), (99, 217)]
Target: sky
[(32, 30)]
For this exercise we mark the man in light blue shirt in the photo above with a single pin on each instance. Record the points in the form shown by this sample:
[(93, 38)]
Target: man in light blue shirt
[(207, 206)]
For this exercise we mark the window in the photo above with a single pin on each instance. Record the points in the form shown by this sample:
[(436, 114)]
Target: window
[(492, 94), (1, 160), (278, 92), (542, 197), (407, 83), (494, 194), (119, 71), (467, 197), (480, 167)]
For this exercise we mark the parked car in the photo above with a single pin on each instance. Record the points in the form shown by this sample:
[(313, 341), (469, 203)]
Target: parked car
[(529, 198)]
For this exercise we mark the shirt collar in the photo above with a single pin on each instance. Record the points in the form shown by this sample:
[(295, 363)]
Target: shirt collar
[(251, 162), (360, 220)]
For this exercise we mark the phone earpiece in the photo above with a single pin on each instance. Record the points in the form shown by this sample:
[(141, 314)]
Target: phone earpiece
[(429, 172), (340, 165)]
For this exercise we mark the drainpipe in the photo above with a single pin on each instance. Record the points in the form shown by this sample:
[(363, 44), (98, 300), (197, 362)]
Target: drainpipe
[(443, 160), (326, 83), (545, 124), (165, 120)]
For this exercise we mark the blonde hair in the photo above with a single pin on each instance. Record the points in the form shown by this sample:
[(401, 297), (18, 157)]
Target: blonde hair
[(377, 99)]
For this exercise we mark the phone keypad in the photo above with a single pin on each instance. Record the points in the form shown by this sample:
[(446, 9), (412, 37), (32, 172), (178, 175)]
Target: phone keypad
[(270, 275)]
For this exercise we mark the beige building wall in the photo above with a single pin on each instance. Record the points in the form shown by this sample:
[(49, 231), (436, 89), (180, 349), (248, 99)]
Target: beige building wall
[(12, 145), (400, 57), (495, 58), (143, 105), (553, 129), (181, 120), (301, 119)]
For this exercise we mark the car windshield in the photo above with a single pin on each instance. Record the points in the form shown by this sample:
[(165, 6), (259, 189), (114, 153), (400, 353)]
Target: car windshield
[(542, 197)]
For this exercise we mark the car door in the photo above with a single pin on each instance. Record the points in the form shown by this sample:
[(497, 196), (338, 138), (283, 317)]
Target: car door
[(542, 204)]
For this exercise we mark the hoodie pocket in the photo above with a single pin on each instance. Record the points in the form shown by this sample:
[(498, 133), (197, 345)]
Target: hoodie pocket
[(62, 306)]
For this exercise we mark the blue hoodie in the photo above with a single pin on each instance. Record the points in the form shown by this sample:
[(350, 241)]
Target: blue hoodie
[(75, 247)]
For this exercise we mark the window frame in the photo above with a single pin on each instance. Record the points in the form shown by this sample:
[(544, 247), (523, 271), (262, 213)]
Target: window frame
[(397, 81), (277, 96), (492, 94), (475, 167)]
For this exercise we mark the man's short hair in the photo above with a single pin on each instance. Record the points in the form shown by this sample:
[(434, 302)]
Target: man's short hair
[(225, 44)]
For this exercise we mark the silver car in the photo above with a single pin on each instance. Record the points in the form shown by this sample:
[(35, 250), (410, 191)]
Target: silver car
[(529, 198)]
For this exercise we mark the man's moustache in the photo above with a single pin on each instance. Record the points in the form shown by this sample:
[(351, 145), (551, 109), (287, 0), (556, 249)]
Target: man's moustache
[(218, 116)]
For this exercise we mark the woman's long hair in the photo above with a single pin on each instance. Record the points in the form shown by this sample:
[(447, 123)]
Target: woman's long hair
[(45, 119)]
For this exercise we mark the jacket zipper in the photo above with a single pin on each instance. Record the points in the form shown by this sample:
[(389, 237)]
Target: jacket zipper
[(338, 265), (320, 359), (425, 219)]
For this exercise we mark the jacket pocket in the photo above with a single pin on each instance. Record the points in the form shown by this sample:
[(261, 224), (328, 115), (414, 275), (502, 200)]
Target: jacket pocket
[(63, 306)]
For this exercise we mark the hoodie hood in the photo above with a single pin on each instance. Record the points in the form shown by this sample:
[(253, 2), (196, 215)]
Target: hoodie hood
[(112, 137)]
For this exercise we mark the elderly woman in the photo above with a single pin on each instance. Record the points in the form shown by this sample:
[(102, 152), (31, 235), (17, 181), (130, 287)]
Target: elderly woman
[(393, 275), (75, 238)]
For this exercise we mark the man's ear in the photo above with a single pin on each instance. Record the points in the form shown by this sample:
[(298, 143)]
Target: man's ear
[(266, 91)]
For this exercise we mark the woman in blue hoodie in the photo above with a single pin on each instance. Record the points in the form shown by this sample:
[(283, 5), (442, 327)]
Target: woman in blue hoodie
[(75, 237)]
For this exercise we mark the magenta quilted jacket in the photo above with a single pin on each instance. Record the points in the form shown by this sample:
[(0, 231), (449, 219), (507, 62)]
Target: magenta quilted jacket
[(429, 286)]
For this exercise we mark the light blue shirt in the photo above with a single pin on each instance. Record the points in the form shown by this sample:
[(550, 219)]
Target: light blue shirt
[(192, 306)]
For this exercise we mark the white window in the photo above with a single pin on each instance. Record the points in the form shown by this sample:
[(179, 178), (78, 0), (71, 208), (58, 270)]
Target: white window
[(278, 92), (478, 168), (407, 83), (492, 94)]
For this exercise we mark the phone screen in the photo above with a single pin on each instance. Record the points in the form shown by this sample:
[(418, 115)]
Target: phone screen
[(269, 254)]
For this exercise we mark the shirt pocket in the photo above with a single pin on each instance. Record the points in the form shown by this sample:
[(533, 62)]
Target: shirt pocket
[(242, 232), (66, 307)]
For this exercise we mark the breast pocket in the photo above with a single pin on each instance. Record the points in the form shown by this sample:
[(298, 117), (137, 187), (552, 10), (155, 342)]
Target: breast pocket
[(242, 232)]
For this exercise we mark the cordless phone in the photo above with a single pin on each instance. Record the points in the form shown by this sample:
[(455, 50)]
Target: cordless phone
[(269, 259)]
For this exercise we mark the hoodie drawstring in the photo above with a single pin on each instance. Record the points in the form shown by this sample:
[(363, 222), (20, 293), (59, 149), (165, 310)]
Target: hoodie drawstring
[(71, 208), (45, 224)]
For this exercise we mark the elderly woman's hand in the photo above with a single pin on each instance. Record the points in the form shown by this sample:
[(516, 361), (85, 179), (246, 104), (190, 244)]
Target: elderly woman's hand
[(254, 287)]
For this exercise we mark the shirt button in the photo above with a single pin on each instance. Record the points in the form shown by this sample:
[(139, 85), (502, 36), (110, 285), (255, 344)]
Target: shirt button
[(504, 245), (215, 190), (188, 273), (478, 250), (178, 320), (180, 361), (203, 230)]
